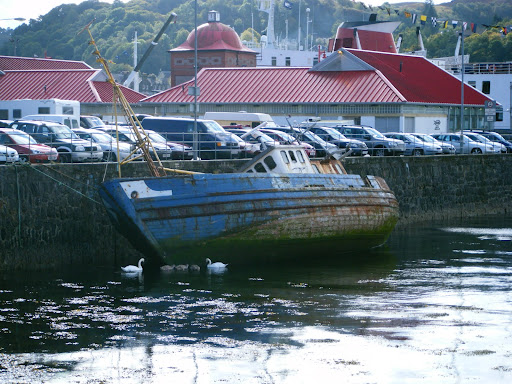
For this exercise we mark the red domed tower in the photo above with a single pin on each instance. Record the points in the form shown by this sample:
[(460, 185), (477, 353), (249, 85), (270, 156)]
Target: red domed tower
[(218, 46)]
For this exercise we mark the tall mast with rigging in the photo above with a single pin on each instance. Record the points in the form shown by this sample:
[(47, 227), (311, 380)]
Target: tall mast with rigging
[(143, 142)]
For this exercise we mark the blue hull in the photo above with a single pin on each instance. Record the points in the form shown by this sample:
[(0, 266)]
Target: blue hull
[(182, 219)]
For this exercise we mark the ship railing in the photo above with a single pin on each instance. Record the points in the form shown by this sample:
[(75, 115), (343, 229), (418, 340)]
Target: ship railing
[(498, 68)]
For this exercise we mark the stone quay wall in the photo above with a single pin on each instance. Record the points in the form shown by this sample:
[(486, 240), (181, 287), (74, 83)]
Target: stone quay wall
[(51, 216)]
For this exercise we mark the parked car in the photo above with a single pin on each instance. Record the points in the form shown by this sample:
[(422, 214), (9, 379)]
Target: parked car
[(446, 147), (68, 120), (247, 150), (321, 146), (91, 122), (495, 146), (333, 136), (213, 142), (70, 147), (126, 135), (179, 151), (5, 123), (378, 144), (27, 147), (415, 146), (468, 146), (8, 155), (254, 136), (495, 136), (107, 143), (285, 138)]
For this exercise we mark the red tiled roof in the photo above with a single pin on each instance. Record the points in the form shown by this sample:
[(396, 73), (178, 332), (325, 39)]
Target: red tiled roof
[(14, 63), (418, 80), (283, 85), (354, 77), (60, 84), (105, 92)]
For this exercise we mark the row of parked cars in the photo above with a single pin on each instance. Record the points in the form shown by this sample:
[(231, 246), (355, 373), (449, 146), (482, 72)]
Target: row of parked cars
[(171, 138)]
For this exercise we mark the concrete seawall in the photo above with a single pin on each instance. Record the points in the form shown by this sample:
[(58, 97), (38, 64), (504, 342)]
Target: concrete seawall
[(51, 215)]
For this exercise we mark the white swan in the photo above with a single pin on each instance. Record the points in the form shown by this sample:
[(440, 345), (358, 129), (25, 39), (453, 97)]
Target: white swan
[(181, 267), (133, 268), (216, 265)]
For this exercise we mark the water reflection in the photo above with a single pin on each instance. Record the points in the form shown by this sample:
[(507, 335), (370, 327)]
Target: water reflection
[(435, 303)]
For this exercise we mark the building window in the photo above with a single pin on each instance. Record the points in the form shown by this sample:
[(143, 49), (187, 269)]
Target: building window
[(274, 61), (288, 61), (16, 113), (43, 110), (4, 114), (472, 83), (486, 87)]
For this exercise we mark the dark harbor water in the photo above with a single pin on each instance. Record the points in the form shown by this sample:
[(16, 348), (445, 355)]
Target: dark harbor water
[(434, 305)]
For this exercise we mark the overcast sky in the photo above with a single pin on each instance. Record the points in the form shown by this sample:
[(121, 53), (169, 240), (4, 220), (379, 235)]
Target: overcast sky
[(32, 9)]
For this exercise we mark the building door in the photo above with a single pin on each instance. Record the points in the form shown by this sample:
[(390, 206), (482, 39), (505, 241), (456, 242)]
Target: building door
[(387, 124), (409, 125)]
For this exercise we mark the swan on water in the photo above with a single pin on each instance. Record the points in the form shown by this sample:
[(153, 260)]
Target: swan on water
[(167, 268), (182, 267), (194, 268), (216, 265), (133, 268)]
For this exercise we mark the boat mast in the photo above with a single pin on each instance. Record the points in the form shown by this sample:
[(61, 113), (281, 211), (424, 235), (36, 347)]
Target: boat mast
[(143, 143)]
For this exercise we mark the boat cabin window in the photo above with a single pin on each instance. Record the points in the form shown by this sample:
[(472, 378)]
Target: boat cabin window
[(338, 168), (315, 168), (269, 161), (285, 157), (260, 168), (301, 158), (292, 156)]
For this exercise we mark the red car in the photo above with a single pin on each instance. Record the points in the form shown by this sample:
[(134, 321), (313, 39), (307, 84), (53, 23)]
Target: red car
[(27, 147)]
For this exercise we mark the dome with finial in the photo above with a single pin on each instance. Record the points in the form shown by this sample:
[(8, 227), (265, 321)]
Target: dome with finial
[(213, 35)]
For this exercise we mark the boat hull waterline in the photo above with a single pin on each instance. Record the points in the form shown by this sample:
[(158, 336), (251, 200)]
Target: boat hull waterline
[(182, 218)]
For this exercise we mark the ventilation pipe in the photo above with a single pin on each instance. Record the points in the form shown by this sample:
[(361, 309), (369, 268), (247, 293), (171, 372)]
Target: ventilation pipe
[(399, 42), (420, 40), (356, 38)]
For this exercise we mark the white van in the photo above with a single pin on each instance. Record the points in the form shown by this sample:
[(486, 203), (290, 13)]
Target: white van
[(69, 120), (245, 119)]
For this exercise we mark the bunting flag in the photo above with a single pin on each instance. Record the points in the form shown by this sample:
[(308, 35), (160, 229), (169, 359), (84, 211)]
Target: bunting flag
[(287, 4), (264, 6)]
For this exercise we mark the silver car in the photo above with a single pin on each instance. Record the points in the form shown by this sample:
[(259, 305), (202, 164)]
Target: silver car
[(492, 146), (415, 146), (447, 148), (468, 146), (8, 155), (107, 143)]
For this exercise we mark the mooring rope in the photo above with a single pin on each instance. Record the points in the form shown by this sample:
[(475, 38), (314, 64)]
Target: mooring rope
[(63, 184)]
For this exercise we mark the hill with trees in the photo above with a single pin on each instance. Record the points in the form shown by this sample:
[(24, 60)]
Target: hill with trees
[(55, 34)]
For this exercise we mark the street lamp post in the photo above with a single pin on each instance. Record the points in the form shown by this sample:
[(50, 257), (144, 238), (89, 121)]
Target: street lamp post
[(306, 46)]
